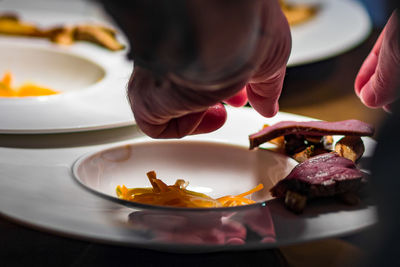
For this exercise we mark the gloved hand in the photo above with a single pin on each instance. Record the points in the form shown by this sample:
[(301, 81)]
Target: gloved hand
[(242, 50), (379, 76)]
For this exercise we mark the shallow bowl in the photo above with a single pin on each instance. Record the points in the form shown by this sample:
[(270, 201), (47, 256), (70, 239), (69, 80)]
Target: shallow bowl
[(211, 168)]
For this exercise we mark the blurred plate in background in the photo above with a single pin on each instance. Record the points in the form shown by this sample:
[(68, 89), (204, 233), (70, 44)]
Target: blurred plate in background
[(92, 80), (338, 26)]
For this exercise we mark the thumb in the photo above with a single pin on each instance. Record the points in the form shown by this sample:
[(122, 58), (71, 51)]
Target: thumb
[(379, 75)]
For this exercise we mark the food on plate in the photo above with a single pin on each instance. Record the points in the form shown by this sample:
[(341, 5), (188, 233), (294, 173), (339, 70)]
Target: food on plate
[(302, 140), (26, 89), (11, 25), (311, 128), (61, 35), (97, 34), (301, 147), (177, 195), (324, 175), (297, 13), (351, 147), (323, 171), (106, 37), (100, 35)]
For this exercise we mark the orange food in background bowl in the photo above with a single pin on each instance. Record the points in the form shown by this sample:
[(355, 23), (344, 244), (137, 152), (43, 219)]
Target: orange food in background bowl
[(25, 90)]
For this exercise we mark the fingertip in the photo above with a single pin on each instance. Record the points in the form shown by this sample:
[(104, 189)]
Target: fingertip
[(239, 99), (387, 108), (365, 73), (270, 111), (266, 106), (213, 119), (276, 109), (368, 96), (358, 84)]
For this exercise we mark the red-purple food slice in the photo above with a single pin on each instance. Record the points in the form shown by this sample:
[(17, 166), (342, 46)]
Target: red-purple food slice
[(311, 128), (321, 176)]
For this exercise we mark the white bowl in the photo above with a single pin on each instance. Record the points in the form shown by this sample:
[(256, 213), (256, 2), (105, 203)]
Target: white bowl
[(212, 168), (49, 67)]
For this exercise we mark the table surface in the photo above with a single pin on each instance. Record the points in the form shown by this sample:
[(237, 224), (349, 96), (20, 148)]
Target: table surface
[(322, 90)]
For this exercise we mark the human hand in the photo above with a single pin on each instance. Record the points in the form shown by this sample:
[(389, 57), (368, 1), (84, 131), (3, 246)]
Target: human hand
[(379, 76), (242, 53)]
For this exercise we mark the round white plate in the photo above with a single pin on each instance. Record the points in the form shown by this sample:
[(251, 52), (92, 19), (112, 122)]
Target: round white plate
[(37, 188), (92, 80), (339, 26)]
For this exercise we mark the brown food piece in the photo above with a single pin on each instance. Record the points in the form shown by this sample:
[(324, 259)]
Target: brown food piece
[(321, 176), (308, 128), (97, 34), (9, 16), (313, 139), (11, 25), (294, 143), (327, 142), (309, 152), (350, 147), (305, 154), (295, 202), (318, 150), (61, 35), (349, 198)]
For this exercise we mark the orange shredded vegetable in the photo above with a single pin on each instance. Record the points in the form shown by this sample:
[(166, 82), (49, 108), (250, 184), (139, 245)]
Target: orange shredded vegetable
[(27, 89), (178, 196)]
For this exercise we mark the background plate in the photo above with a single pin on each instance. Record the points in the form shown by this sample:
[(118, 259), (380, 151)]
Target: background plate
[(87, 104), (339, 26)]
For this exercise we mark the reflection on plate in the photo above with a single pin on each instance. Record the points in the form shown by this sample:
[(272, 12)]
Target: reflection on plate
[(213, 169), (338, 26), (37, 188)]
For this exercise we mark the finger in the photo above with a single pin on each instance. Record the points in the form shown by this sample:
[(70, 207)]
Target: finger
[(369, 66), (275, 44), (265, 86), (379, 89), (264, 96), (387, 108), (239, 99), (213, 119), (194, 123)]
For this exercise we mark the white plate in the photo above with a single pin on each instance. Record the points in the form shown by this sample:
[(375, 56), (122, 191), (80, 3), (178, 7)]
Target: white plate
[(37, 189), (92, 80), (339, 26)]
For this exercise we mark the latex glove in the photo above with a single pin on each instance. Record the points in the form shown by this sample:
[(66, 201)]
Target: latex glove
[(243, 47), (379, 76)]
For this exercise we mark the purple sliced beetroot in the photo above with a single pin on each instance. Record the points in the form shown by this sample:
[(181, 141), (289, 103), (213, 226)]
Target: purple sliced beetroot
[(323, 175), (311, 128)]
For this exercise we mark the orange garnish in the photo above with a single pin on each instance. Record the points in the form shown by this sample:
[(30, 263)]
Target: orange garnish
[(178, 196), (27, 89), (7, 78)]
